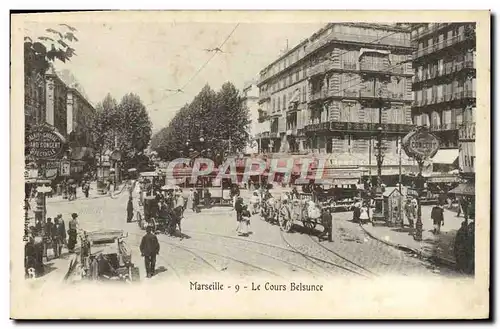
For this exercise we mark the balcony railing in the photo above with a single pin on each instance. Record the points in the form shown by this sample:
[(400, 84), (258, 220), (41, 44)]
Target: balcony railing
[(444, 127), (357, 127), (440, 45), (318, 69), (349, 66), (376, 68), (429, 29), (467, 131), (318, 95)]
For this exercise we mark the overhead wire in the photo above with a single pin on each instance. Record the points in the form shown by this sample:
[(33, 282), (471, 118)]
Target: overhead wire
[(201, 67)]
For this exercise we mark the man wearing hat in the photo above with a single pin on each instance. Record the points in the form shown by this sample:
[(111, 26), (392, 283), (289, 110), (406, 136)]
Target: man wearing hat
[(58, 235), (72, 232), (149, 249)]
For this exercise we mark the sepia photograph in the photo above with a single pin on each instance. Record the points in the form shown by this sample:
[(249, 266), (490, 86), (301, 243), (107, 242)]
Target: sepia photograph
[(250, 165)]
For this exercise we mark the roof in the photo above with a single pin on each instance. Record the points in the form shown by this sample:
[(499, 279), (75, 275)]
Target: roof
[(102, 236), (389, 190)]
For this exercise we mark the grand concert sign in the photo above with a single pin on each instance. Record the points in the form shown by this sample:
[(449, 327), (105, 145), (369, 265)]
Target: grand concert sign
[(44, 142), (420, 144)]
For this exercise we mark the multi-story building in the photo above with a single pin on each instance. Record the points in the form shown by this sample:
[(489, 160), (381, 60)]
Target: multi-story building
[(250, 101), (80, 114), (34, 88), (55, 109), (335, 92), (445, 86)]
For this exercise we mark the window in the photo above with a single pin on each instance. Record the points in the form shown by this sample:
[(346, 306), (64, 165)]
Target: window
[(297, 76), (304, 93), (284, 101), (279, 107)]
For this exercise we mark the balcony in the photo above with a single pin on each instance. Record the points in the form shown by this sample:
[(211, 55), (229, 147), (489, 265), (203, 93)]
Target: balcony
[(318, 69), (383, 69), (430, 29), (438, 46), (467, 132), (349, 66), (351, 93), (317, 127), (318, 95), (444, 127), (369, 127)]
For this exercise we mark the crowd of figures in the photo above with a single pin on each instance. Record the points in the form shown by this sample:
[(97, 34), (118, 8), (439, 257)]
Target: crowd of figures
[(48, 238)]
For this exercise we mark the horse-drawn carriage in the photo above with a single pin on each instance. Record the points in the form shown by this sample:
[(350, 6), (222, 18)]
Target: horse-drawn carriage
[(105, 256), (163, 219), (302, 209)]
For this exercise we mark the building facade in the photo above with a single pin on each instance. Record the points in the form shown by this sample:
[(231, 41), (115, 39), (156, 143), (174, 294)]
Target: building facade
[(250, 101), (80, 114), (34, 88), (55, 103), (445, 88), (334, 93)]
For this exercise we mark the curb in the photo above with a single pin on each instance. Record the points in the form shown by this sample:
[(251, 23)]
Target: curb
[(418, 252)]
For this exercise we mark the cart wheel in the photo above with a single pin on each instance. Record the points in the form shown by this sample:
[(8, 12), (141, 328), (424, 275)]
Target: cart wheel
[(309, 224), (154, 224), (285, 223)]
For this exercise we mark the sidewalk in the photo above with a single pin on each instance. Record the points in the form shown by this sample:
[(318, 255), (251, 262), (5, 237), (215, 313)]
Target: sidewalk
[(437, 247)]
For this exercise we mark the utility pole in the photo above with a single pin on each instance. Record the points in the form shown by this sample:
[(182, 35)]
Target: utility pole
[(380, 158)]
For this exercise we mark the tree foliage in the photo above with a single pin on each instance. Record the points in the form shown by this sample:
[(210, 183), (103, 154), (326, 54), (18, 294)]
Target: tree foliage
[(214, 125), (125, 126), (46, 49)]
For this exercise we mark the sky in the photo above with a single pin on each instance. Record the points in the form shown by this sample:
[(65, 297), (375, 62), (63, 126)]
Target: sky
[(148, 58)]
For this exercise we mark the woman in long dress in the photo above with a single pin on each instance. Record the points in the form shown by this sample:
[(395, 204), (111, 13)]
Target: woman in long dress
[(190, 200)]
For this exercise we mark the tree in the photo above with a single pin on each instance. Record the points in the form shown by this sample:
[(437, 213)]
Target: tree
[(133, 126), (56, 45), (217, 117)]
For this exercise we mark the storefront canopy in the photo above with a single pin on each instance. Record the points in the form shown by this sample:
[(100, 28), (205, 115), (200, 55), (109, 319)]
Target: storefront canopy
[(464, 189), (446, 156)]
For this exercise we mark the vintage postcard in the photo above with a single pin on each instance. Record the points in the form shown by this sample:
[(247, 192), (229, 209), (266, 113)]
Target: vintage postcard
[(250, 165)]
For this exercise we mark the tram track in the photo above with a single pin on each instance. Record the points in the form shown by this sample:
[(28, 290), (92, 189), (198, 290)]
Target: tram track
[(190, 250), (344, 258), (290, 249)]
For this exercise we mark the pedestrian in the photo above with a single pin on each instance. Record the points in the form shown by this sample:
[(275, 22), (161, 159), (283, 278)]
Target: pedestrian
[(437, 216), (409, 212), (326, 221), (85, 189), (356, 213), (57, 239), (470, 249), (62, 228), (238, 207), (244, 221), (196, 201), (364, 216), (72, 232), (190, 200), (149, 249), (130, 209), (460, 248)]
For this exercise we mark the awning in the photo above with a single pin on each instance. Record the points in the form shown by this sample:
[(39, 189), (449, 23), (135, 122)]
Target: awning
[(443, 179), (446, 156), (367, 50), (464, 189)]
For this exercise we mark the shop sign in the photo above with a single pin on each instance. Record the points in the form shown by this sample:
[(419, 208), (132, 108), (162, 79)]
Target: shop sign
[(44, 143), (420, 144)]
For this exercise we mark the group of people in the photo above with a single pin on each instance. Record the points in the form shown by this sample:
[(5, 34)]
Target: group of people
[(49, 235), (362, 212)]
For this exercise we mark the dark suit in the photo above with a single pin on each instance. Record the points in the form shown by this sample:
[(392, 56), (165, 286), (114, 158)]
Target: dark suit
[(149, 249)]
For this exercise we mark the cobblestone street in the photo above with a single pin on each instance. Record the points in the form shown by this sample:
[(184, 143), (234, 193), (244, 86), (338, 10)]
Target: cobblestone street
[(209, 245)]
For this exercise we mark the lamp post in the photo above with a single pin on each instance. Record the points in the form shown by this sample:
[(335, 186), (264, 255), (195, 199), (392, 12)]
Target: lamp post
[(420, 145), (420, 183)]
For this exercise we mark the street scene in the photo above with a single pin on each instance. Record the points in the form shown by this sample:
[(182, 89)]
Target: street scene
[(318, 150)]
